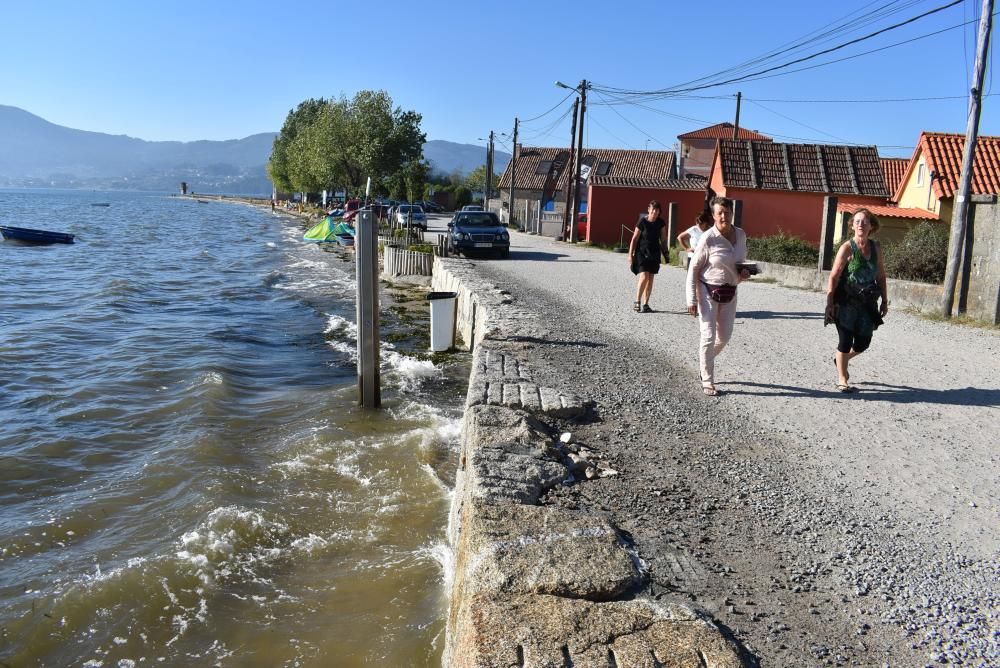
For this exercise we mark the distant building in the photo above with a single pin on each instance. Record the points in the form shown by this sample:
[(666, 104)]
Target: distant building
[(697, 148)]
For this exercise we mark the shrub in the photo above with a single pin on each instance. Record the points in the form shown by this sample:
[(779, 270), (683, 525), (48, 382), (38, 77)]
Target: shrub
[(421, 248), (921, 255), (782, 249)]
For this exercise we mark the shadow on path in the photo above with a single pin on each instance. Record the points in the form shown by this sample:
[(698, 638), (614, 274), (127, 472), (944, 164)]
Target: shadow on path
[(540, 256), (901, 394), (779, 315)]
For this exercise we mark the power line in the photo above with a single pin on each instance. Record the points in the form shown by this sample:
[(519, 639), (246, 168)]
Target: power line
[(550, 110), (789, 118), (758, 74)]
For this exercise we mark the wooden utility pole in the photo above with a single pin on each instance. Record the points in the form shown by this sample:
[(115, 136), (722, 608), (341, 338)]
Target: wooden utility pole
[(736, 125), (513, 174), (569, 169), (959, 217), (579, 162)]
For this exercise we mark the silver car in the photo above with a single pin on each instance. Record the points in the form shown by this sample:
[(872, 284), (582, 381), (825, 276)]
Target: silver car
[(411, 214)]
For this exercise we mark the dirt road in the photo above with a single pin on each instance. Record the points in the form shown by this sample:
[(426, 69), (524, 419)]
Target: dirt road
[(820, 528)]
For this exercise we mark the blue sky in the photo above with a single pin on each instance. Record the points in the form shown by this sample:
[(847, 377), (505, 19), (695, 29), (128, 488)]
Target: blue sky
[(224, 70)]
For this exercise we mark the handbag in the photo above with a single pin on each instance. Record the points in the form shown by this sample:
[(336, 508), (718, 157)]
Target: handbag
[(722, 294)]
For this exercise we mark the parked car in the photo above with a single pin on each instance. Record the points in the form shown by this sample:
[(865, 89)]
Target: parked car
[(472, 207), (581, 226), (478, 231), (431, 207), (411, 214)]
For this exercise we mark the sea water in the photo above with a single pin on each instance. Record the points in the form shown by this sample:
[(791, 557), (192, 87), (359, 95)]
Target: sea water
[(185, 475)]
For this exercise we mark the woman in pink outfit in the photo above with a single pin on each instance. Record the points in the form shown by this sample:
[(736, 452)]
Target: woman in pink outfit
[(711, 286)]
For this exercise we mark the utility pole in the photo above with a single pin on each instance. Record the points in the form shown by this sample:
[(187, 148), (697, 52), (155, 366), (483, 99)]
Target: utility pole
[(489, 173), (736, 126), (959, 217), (570, 169), (513, 174), (579, 161)]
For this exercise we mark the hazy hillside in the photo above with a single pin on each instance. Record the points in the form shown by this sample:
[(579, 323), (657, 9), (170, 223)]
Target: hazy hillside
[(35, 152), (447, 157)]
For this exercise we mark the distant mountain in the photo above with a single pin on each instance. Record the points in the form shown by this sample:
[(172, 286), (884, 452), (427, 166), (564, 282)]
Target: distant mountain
[(35, 152), (447, 157)]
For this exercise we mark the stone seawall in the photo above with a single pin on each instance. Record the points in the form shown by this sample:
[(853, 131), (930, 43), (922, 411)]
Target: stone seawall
[(535, 585)]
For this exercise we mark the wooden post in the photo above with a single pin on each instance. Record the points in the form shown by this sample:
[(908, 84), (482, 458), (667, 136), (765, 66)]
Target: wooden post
[(366, 252), (579, 161), (829, 225), (736, 125), (671, 225), (738, 213)]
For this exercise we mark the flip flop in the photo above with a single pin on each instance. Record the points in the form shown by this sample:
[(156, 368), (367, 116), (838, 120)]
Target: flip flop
[(637, 307), (646, 309), (711, 392), (846, 389)]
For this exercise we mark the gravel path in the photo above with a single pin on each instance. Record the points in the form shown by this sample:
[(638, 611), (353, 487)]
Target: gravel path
[(819, 528)]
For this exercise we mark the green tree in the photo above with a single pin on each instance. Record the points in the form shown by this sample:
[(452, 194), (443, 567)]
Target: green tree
[(279, 166), (415, 175), (326, 144), (476, 180)]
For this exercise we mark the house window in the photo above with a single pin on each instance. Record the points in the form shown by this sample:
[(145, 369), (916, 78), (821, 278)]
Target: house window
[(544, 166), (603, 168), (920, 174)]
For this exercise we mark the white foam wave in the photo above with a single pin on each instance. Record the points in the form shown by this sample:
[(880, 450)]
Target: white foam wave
[(231, 540)]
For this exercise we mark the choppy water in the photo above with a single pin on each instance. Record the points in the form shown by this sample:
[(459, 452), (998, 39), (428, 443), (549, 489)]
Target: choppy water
[(185, 478)]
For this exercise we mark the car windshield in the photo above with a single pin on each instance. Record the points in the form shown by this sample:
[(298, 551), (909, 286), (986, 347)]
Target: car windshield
[(477, 220), (409, 209)]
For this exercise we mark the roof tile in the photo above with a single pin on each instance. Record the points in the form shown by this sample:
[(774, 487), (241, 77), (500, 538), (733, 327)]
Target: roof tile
[(642, 169), (802, 167), (723, 131), (892, 172), (943, 153)]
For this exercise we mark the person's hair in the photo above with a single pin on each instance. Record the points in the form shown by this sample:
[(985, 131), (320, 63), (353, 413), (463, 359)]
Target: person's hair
[(872, 220), (703, 218), (655, 204), (724, 202)]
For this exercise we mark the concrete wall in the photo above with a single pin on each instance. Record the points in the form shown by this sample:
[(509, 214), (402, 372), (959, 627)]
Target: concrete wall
[(535, 585), (769, 212), (983, 295)]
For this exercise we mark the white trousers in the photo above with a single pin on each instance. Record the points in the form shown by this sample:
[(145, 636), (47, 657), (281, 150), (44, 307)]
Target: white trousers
[(716, 323)]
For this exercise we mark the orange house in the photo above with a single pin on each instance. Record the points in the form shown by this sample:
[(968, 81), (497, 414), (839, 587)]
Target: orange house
[(782, 187)]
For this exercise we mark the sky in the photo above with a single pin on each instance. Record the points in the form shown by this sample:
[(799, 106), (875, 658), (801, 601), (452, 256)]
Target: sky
[(224, 70)]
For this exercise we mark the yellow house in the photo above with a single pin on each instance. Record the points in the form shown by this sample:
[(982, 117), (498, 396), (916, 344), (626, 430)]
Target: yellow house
[(931, 180)]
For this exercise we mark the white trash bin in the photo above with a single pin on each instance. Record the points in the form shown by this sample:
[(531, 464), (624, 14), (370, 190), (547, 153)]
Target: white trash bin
[(442, 320)]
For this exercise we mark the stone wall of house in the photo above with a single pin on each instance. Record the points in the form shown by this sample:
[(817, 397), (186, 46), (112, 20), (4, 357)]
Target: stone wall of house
[(983, 296)]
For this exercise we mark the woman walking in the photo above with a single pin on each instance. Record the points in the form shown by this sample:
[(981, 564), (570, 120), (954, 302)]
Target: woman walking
[(688, 239), (711, 287), (648, 241), (857, 282)]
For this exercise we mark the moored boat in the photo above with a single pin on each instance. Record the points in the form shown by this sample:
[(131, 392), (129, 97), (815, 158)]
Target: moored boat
[(35, 236)]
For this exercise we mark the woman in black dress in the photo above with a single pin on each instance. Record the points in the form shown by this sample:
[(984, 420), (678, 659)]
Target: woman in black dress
[(644, 251)]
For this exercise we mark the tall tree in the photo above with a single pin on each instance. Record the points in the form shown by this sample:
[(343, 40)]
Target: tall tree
[(279, 166)]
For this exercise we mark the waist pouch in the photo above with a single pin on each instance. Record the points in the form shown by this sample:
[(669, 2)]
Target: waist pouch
[(723, 294)]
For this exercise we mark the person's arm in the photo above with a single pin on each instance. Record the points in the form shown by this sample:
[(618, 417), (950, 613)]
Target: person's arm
[(839, 264), (665, 243), (698, 262), (683, 238), (632, 244), (882, 284)]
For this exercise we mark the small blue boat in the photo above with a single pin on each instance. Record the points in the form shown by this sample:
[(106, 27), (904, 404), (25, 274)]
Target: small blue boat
[(35, 236)]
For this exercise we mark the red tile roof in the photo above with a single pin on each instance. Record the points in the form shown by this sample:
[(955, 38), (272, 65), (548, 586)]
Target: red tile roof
[(893, 170), (888, 211), (943, 154), (801, 167), (629, 168), (723, 131)]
